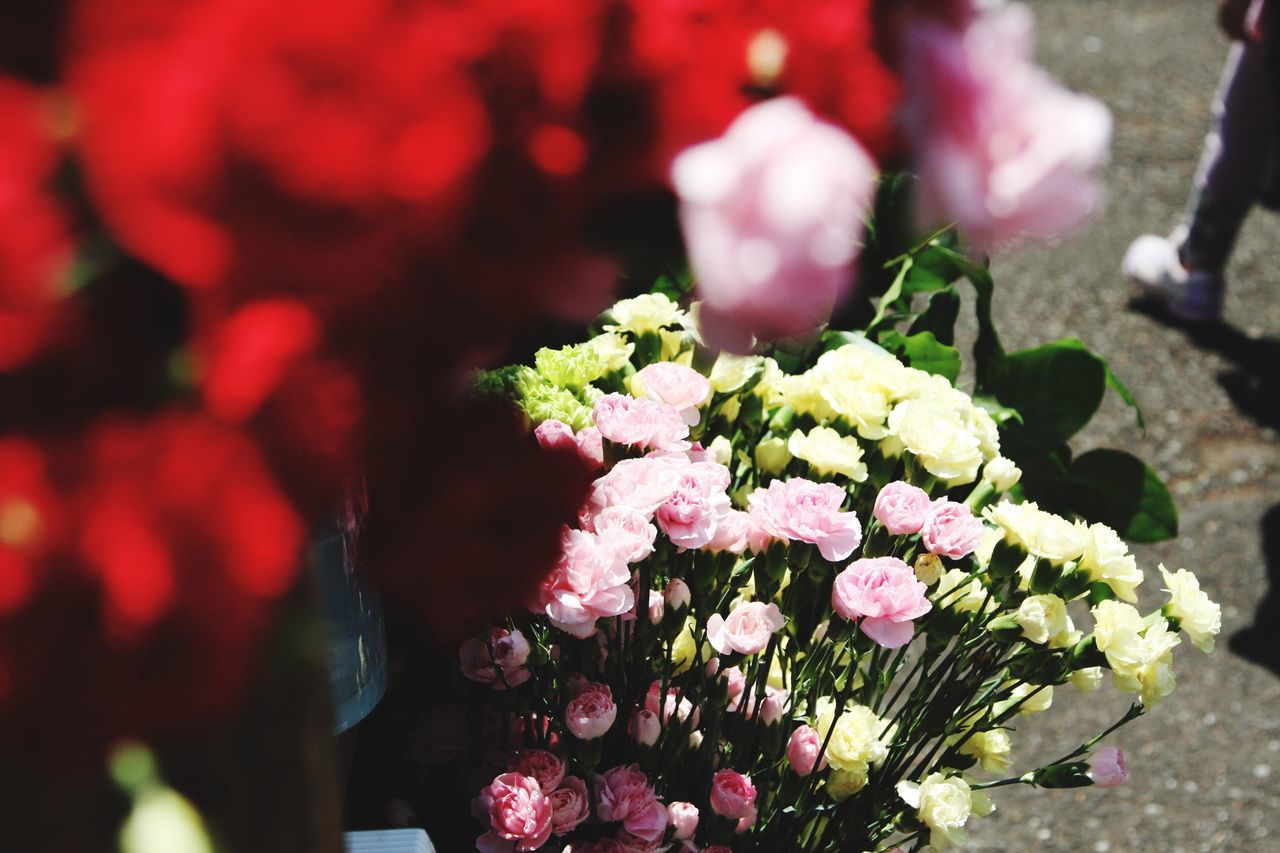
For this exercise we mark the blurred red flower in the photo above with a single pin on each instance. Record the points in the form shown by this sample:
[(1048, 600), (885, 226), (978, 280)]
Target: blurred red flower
[(149, 551), (35, 243)]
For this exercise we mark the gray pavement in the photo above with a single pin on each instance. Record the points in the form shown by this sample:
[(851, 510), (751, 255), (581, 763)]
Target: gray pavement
[(1205, 765)]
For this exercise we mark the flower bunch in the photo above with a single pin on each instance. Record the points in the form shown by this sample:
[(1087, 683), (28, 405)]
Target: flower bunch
[(805, 602)]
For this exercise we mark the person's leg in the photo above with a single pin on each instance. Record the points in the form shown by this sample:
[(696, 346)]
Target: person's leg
[(1234, 160), (1184, 272)]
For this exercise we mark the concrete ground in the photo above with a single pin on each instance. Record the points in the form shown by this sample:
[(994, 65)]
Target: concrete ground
[(1205, 765)]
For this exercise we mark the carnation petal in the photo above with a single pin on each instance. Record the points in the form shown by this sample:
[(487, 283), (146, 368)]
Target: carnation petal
[(886, 632)]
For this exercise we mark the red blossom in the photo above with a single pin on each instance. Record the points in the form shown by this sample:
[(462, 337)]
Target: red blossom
[(147, 556), (35, 243)]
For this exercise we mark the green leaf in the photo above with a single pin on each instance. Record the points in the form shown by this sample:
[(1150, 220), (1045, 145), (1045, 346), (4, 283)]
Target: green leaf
[(1124, 493), (1114, 383), (988, 353), (923, 352), (891, 295), (940, 317), (1056, 388), (927, 354)]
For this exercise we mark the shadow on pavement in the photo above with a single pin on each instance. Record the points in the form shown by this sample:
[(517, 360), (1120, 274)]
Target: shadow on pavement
[(1260, 642), (1253, 380)]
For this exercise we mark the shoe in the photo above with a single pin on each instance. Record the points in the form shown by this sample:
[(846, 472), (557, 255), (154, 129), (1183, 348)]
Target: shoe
[(1152, 264)]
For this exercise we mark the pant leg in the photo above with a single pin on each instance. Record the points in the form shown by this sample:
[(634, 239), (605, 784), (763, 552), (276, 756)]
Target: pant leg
[(1235, 156)]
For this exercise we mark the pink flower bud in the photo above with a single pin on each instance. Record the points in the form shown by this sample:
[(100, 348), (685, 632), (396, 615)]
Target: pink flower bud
[(591, 713), (678, 594), (1107, 769), (657, 606), (645, 727), (803, 749), (683, 818)]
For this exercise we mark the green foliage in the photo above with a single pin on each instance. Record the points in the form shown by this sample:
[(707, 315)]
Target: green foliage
[(1123, 492)]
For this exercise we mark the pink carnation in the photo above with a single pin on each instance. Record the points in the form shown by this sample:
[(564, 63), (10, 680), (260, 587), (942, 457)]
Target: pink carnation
[(732, 795), (624, 794), (675, 706), (590, 580), (1001, 148), (640, 484), (733, 532), (771, 214), (570, 805), (805, 511), (555, 435), (628, 531), (803, 749), (950, 530), (590, 446), (519, 814), (646, 424), (691, 515), (546, 767), (644, 727), (682, 388), (882, 593), (591, 713), (747, 630), (504, 666), (1107, 769), (901, 508)]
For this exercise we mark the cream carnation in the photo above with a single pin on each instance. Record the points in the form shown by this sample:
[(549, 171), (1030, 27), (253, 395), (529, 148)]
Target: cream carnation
[(944, 804), (1200, 618), (1106, 558), (648, 312), (991, 749), (1042, 618), (942, 443), (1001, 474), (858, 739), (829, 452)]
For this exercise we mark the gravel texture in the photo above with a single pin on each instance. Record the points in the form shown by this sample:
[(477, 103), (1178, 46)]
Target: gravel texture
[(1205, 765)]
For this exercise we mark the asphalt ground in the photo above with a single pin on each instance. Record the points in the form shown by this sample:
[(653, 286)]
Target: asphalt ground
[(1205, 765)]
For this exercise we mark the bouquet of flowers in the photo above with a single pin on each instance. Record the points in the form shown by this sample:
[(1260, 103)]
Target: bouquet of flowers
[(807, 596)]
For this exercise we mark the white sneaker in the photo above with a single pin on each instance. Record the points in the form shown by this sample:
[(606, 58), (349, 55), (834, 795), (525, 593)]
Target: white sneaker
[(1153, 265)]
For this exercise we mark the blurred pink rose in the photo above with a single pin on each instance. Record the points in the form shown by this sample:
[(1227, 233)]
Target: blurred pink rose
[(1000, 147), (502, 668), (683, 818), (803, 749), (901, 508), (590, 580), (806, 511), (570, 805), (624, 794), (732, 794), (772, 214), (519, 814), (682, 388), (591, 713), (642, 423), (950, 530), (883, 595), (1107, 769), (546, 767), (747, 630)]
